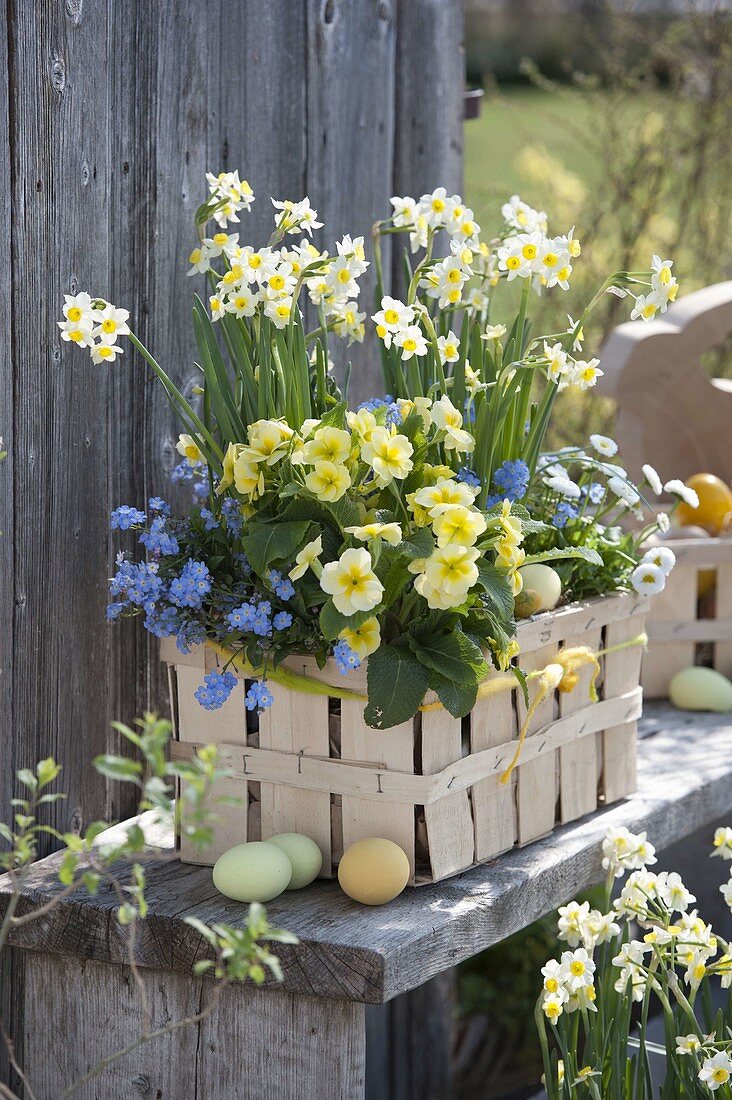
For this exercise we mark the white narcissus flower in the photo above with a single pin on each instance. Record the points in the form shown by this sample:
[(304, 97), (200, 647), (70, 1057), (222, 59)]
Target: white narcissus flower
[(352, 582), (586, 373), (110, 323), (77, 332), (571, 919), (716, 1071), (393, 315), (625, 851), (578, 969), (663, 523), (688, 1044), (662, 556), (105, 353), (723, 842), (411, 340), (405, 210), (553, 1006), (494, 332), (654, 481), (647, 306), (678, 489), (726, 891), (449, 348), (604, 445), (648, 579), (553, 976), (188, 448), (673, 892)]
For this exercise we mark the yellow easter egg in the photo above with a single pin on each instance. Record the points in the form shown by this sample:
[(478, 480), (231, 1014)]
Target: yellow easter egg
[(542, 586), (715, 504), (304, 855), (373, 871), (252, 872), (701, 689)]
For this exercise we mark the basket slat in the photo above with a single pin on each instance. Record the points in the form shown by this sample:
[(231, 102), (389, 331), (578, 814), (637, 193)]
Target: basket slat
[(723, 649), (394, 748), (578, 764), (619, 742), (537, 779), (449, 821), (494, 803)]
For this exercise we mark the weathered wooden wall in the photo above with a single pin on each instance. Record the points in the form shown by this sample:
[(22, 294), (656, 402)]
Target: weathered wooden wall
[(110, 113), (113, 113)]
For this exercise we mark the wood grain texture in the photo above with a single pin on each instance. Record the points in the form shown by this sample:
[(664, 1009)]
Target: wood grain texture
[(255, 1044), (676, 604), (351, 952)]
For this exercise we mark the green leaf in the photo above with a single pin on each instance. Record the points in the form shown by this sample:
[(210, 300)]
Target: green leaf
[(117, 767), (457, 699), (332, 622), (6, 832), (335, 417), (67, 868), (265, 543), (47, 770), (453, 656), (584, 552), (497, 587), (27, 778), (202, 929), (419, 544), (397, 683)]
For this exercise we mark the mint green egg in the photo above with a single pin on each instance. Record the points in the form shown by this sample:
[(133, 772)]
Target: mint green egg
[(252, 872), (701, 689), (304, 855)]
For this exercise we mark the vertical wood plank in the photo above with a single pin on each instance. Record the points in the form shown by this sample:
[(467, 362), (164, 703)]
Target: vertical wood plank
[(664, 659), (296, 723), (449, 821), (537, 779), (578, 764), (364, 817), (619, 743), (295, 1046), (350, 141), (723, 598), (493, 722), (211, 727)]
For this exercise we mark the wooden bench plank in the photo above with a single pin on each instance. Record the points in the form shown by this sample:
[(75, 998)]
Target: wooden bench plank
[(351, 952)]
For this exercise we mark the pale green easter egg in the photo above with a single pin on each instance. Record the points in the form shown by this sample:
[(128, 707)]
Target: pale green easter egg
[(701, 689), (252, 872), (304, 855), (542, 584)]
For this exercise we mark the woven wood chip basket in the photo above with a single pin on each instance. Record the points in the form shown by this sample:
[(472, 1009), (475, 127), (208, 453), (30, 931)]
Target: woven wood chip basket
[(432, 785)]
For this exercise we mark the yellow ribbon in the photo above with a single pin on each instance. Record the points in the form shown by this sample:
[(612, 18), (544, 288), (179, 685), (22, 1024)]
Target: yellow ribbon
[(561, 674)]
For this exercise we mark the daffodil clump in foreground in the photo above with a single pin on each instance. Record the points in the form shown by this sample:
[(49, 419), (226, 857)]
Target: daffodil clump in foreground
[(649, 951), (395, 531)]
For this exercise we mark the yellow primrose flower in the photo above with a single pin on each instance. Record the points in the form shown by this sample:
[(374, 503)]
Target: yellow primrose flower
[(364, 639), (362, 424), (227, 478), (188, 447), (388, 455), (510, 526), (352, 582), (450, 420), (446, 491), (268, 441), (452, 570), (329, 445), (455, 523), (248, 476), (389, 532), (419, 405), (306, 558), (328, 481), (509, 556)]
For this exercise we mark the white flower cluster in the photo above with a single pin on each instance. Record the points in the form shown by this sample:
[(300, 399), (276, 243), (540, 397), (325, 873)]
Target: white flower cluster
[(565, 370), (547, 261), (674, 939), (664, 289), (94, 324), (270, 278), (723, 848), (436, 211), (229, 195)]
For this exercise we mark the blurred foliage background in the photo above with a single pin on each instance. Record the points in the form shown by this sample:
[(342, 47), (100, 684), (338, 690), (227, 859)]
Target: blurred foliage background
[(614, 117)]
